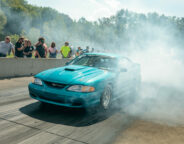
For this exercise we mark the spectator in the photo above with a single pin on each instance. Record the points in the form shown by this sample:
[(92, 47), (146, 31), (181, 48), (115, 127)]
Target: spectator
[(19, 48), (66, 50), (78, 52), (86, 50), (25, 45), (52, 50), (28, 49), (72, 52), (6, 46), (46, 49), (40, 49), (92, 50)]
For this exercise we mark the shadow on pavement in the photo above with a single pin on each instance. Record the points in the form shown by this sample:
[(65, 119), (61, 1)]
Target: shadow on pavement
[(63, 115)]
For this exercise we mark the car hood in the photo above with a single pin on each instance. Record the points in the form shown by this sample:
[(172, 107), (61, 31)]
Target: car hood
[(72, 74)]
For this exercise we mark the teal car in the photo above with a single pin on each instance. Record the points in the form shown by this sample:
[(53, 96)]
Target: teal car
[(92, 79)]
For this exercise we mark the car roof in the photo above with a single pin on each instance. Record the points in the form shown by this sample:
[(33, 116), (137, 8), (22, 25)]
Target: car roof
[(103, 54)]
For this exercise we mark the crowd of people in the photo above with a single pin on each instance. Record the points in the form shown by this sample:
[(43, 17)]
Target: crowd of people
[(23, 48)]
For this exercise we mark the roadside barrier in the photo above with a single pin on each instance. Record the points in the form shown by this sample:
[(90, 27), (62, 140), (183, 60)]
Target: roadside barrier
[(18, 67)]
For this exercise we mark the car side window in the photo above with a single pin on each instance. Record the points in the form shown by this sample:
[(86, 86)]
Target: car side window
[(106, 62)]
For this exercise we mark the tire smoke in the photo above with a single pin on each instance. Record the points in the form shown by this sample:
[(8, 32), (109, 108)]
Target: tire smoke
[(161, 97)]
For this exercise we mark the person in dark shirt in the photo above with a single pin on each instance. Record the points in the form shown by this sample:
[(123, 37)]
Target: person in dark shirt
[(40, 49), (28, 49), (19, 48)]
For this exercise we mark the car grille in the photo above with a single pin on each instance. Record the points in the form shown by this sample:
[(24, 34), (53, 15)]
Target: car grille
[(54, 100), (55, 85)]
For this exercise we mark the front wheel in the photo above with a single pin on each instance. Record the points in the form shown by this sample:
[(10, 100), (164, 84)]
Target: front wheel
[(105, 100)]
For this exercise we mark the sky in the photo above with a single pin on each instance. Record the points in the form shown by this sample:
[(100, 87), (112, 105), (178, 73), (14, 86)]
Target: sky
[(94, 9)]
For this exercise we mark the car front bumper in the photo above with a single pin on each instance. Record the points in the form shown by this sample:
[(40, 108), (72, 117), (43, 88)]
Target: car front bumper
[(62, 97)]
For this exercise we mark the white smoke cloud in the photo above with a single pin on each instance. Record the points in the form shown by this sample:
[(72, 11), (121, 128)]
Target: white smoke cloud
[(162, 69)]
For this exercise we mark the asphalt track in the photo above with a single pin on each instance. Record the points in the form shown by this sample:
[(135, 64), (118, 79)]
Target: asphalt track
[(24, 121)]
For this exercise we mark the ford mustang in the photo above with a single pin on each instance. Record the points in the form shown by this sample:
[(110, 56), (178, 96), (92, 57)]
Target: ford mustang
[(88, 80)]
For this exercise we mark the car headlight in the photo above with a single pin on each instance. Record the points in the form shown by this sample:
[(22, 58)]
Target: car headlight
[(37, 81), (80, 88)]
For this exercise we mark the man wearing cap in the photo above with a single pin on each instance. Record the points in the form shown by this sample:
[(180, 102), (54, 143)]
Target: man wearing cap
[(65, 50), (6, 46), (19, 48)]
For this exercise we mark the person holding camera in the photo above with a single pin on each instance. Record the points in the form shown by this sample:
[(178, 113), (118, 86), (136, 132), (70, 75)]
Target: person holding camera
[(19, 48), (28, 49), (40, 48)]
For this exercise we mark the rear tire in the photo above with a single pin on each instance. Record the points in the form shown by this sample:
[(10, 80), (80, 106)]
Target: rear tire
[(135, 92)]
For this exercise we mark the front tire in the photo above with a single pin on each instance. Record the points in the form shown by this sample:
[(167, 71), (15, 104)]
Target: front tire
[(105, 100)]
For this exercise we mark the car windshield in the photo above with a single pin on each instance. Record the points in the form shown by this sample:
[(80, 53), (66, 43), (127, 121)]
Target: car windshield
[(102, 62)]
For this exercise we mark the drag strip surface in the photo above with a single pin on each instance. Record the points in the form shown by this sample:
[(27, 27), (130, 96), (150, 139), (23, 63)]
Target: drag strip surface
[(24, 121)]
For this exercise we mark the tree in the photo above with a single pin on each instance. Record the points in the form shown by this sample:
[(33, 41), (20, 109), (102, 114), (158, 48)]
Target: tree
[(118, 31), (3, 21)]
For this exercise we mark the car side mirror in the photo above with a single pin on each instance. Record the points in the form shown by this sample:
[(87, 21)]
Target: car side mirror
[(123, 70)]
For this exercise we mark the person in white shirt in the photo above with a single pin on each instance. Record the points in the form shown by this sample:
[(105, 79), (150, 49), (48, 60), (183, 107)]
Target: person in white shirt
[(6, 46)]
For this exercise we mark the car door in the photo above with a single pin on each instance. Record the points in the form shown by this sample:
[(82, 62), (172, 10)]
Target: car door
[(123, 77)]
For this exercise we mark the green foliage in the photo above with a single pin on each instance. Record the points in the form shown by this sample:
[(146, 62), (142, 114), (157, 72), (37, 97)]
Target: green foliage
[(14, 38), (3, 21), (33, 34), (17, 17)]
